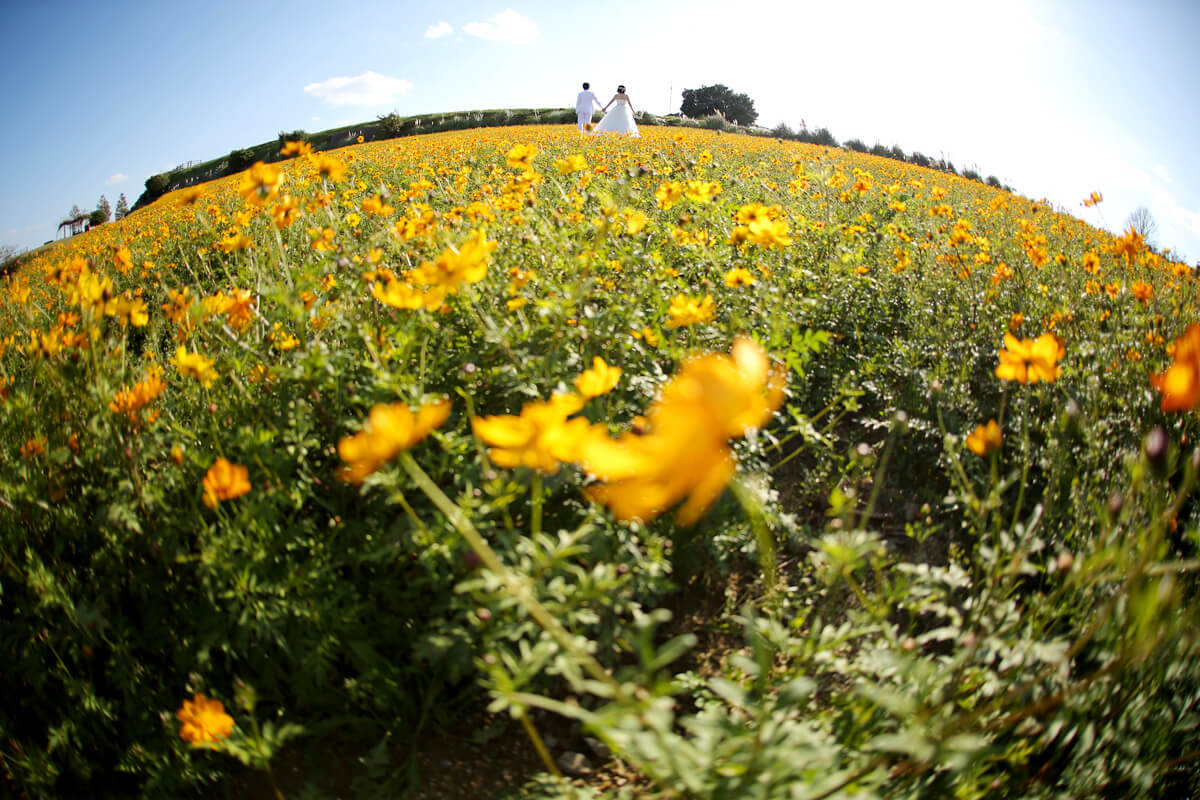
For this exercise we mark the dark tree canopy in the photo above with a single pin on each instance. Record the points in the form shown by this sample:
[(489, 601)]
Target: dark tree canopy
[(706, 100)]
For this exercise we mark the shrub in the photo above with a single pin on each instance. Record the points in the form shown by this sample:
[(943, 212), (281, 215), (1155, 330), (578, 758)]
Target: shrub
[(239, 160), (856, 145)]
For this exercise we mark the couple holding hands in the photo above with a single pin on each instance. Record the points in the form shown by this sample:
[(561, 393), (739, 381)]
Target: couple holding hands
[(619, 120)]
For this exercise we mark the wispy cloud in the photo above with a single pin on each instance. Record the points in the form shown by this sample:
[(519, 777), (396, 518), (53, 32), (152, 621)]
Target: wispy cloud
[(113, 180), (507, 26), (439, 30), (368, 89)]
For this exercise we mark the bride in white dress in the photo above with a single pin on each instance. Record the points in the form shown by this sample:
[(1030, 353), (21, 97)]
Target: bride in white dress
[(620, 119)]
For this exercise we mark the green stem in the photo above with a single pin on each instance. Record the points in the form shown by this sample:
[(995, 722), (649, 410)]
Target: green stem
[(516, 587), (536, 491), (767, 558)]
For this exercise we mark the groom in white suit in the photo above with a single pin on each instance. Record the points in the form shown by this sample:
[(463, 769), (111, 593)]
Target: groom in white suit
[(585, 104)]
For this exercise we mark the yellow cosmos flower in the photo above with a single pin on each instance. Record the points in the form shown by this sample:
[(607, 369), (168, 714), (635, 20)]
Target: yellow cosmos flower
[(292, 149), (761, 225), (686, 310), (194, 365), (237, 241), (467, 264), (984, 439), (398, 294), (739, 276), (1142, 291), (1180, 383), (540, 437), (635, 221), (572, 163), (328, 167), (1030, 360), (668, 194), (225, 481), (521, 156), (204, 721), (261, 183), (389, 429), (598, 380), (685, 451), (701, 191)]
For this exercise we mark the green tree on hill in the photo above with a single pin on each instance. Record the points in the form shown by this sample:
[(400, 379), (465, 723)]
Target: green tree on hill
[(122, 207), (719, 99), (103, 211)]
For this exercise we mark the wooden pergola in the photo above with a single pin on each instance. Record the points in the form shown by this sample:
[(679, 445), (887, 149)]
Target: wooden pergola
[(74, 223)]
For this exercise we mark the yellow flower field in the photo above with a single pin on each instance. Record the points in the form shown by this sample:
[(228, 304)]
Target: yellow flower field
[(416, 426)]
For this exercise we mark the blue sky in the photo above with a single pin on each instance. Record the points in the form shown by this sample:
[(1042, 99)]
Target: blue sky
[(1056, 98)]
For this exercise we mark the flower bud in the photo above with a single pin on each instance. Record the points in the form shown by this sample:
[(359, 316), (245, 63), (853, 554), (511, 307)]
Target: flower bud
[(1155, 448)]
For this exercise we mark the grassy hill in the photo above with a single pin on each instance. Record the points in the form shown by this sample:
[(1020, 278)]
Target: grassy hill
[(777, 469)]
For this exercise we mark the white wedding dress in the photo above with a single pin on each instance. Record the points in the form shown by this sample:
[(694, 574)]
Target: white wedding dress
[(619, 119)]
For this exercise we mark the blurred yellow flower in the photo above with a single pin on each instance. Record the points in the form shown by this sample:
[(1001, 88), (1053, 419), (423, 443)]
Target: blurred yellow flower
[(1142, 291), (984, 439), (224, 481), (598, 380), (204, 721), (572, 163), (701, 191), (131, 399), (739, 276), (292, 149), (261, 183), (1030, 360), (194, 365), (1180, 383), (389, 429), (668, 194), (328, 167), (467, 264), (540, 437), (521, 156), (685, 451), (686, 310)]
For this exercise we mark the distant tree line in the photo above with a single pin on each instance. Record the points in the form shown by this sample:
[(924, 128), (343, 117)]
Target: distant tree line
[(716, 107)]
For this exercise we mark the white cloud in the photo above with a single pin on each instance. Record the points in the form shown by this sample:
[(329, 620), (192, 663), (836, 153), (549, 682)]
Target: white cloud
[(316, 119), (1163, 173), (439, 30), (120, 177), (507, 26), (368, 89)]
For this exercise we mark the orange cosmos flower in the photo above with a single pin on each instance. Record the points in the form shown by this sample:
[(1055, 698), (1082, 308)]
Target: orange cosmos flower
[(204, 721), (224, 481), (1030, 360), (1180, 383), (984, 439), (389, 429)]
